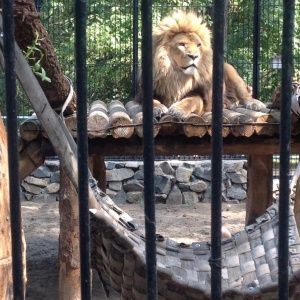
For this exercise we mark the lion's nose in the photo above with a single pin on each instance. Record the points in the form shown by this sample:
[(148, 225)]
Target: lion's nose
[(193, 57)]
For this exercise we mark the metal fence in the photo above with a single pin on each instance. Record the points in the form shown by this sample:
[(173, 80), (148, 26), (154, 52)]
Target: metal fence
[(252, 43), (147, 12)]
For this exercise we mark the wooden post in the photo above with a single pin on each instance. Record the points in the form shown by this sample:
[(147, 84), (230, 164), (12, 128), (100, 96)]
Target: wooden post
[(69, 259), (97, 165), (6, 284), (260, 186)]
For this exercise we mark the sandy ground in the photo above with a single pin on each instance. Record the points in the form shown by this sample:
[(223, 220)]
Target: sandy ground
[(183, 223)]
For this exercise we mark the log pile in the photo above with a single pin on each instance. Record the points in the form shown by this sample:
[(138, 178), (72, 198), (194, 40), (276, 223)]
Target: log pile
[(123, 121)]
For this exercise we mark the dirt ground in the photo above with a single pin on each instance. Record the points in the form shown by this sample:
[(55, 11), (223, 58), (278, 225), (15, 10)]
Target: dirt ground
[(183, 223)]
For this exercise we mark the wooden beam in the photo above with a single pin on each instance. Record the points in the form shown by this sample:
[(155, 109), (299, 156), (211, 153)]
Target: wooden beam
[(97, 165), (260, 186)]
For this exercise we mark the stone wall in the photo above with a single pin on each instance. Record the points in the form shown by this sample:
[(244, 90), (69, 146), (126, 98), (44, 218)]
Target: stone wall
[(176, 182)]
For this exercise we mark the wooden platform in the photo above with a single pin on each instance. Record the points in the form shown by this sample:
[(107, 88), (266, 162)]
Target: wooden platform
[(116, 130)]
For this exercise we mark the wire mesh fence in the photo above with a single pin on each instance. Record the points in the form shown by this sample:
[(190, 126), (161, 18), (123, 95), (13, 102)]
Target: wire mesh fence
[(113, 43)]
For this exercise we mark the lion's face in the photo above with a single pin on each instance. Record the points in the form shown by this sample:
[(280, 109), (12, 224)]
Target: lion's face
[(185, 50)]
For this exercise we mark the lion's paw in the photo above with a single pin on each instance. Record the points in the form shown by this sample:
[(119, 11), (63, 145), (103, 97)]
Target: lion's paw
[(254, 104), (177, 112), (159, 110)]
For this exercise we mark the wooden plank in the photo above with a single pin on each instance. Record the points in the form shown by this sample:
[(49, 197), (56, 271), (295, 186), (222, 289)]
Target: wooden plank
[(30, 158), (260, 186)]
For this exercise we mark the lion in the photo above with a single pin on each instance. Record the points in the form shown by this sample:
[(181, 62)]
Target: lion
[(182, 70)]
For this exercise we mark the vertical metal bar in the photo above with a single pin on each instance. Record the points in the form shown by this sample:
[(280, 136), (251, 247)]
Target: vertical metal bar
[(256, 49), (135, 29), (285, 140), (13, 154), (82, 142), (148, 145), (217, 149)]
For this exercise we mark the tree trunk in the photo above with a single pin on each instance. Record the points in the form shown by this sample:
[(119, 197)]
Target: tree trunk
[(6, 284), (27, 24)]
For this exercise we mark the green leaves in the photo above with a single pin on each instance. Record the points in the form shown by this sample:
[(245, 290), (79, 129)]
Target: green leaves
[(33, 51)]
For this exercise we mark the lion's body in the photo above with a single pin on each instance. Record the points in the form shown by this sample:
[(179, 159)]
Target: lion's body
[(182, 69)]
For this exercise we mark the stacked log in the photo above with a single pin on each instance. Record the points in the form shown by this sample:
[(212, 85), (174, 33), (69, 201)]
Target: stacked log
[(169, 125), (265, 121), (119, 120), (207, 117), (194, 125), (98, 120), (243, 125), (30, 128)]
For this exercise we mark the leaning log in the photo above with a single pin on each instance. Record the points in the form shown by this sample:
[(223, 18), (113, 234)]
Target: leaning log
[(27, 25), (69, 258)]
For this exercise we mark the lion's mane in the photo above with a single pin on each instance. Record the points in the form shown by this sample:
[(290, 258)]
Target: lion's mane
[(169, 82)]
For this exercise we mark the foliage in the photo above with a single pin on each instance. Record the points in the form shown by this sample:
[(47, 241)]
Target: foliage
[(33, 51), (110, 40)]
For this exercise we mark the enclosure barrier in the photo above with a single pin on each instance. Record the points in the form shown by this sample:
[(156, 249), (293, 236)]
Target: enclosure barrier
[(117, 239)]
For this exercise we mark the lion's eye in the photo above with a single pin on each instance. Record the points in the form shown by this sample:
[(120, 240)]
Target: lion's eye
[(182, 44), (199, 45)]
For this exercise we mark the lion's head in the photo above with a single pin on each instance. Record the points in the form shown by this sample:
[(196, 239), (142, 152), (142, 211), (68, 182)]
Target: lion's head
[(182, 56)]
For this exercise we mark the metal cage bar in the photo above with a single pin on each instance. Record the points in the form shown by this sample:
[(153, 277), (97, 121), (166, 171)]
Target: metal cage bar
[(82, 142), (148, 148), (13, 154), (285, 140)]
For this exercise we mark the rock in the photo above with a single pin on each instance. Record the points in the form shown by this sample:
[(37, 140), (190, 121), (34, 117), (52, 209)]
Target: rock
[(233, 166), (52, 164), (32, 189), (175, 196), (55, 177), (158, 171), (132, 164), (240, 177), (39, 182), (120, 197), (161, 198), (115, 185), (42, 172), (203, 173), (119, 174), (52, 188), (190, 197), (183, 174), (163, 185), (184, 186), (110, 165), (135, 197), (139, 175), (27, 196), (206, 198), (133, 185), (236, 192), (111, 193), (198, 186), (167, 168), (120, 165)]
